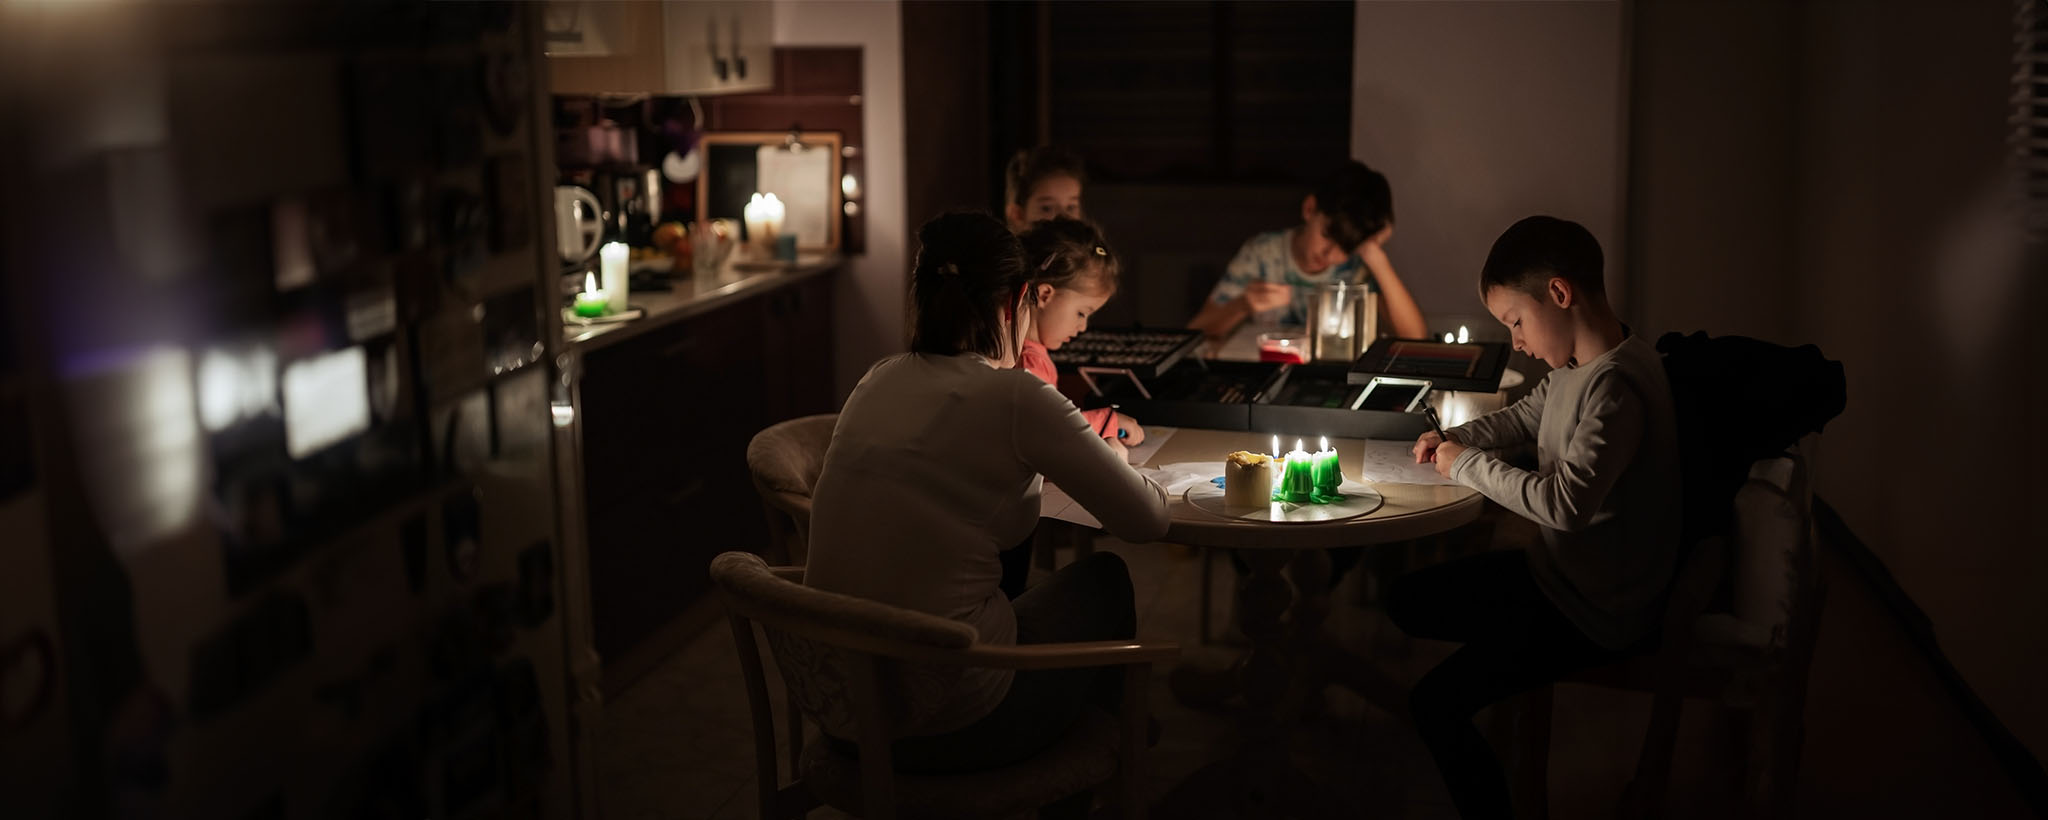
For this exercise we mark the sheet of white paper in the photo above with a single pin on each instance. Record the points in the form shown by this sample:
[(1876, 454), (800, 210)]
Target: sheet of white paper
[(1177, 477), (1394, 461), (803, 181), (1155, 438), (1055, 503)]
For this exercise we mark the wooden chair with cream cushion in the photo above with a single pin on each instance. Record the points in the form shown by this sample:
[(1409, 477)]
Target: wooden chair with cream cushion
[(1753, 658), (785, 460), (858, 669)]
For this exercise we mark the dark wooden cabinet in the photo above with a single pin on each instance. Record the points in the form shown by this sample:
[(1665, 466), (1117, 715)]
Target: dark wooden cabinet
[(797, 332), (666, 418)]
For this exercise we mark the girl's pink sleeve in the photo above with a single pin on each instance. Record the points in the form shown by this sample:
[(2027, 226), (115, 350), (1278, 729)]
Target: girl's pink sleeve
[(1098, 417), (1035, 360)]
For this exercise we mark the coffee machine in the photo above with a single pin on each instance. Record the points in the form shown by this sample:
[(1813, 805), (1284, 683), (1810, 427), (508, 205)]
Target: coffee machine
[(603, 151)]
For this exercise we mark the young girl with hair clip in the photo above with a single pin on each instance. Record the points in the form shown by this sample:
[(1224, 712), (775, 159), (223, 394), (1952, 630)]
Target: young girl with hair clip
[(934, 470), (1073, 273)]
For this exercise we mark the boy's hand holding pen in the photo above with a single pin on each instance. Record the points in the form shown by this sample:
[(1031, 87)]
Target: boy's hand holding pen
[(1435, 447)]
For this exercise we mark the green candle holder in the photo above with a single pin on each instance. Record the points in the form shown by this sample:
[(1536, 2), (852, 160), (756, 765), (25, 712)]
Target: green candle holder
[(1297, 481), (1327, 477)]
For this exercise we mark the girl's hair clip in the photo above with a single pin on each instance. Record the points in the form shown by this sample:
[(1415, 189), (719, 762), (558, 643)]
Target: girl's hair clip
[(1101, 251), (1047, 264), (950, 269)]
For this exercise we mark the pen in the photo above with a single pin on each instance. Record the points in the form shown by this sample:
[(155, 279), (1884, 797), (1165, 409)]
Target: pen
[(1106, 420), (1430, 413)]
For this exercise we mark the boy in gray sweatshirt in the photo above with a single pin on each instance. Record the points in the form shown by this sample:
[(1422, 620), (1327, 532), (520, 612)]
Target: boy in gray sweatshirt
[(1605, 494)]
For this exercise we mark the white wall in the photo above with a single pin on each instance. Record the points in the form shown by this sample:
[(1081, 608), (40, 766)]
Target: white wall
[(1481, 113), (868, 302)]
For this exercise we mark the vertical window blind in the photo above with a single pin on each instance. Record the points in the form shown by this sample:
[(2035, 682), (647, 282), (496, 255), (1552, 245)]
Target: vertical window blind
[(2030, 111)]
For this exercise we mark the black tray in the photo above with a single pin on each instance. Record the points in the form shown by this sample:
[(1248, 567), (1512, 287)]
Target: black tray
[(1447, 366), (1194, 393), (1309, 400), (1143, 352)]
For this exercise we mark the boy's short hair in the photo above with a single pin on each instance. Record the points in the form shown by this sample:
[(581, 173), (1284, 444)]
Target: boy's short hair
[(1357, 202), (1034, 165), (1539, 247)]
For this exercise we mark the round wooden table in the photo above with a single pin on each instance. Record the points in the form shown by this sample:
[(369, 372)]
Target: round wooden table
[(1282, 614)]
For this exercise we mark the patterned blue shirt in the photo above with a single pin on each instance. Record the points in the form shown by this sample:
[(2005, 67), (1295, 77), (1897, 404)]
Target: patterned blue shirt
[(1267, 257)]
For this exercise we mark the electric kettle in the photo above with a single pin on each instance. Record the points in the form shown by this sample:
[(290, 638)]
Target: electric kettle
[(579, 223)]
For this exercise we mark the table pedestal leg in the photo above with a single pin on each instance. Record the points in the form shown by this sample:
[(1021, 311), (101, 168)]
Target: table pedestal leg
[(1260, 780)]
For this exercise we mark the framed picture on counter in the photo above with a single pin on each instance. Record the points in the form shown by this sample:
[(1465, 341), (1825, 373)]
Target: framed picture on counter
[(801, 168)]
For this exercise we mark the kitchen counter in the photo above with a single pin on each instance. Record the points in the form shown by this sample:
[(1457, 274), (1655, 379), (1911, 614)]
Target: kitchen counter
[(693, 296), (665, 407)]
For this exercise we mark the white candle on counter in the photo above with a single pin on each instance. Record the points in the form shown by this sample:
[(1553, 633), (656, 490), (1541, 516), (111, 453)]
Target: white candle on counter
[(755, 214), (614, 273), (764, 214), (772, 214)]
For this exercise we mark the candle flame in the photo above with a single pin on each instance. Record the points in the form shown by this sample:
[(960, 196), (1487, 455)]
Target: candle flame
[(1450, 338), (1276, 447), (1325, 445), (1297, 445), (590, 283), (1463, 335)]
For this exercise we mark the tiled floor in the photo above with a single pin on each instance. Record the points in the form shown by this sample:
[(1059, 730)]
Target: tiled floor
[(1882, 742)]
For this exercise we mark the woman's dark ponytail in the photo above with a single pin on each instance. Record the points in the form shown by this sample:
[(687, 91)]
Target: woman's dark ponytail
[(969, 270)]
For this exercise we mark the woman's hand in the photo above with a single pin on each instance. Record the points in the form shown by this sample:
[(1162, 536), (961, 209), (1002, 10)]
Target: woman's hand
[(1122, 453), (1425, 447), (1133, 435), (1447, 455)]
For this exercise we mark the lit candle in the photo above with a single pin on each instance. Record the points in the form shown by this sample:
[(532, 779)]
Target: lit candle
[(1297, 478), (591, 302), (612, 266), (1327, 475), (1463, 336), (1450, 338), (764, 215), (772, 215)]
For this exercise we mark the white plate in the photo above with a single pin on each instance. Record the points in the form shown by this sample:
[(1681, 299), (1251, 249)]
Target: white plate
[(1359, 499)]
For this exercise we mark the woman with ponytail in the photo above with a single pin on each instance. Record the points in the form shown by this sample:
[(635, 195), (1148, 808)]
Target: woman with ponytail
[(934, 469)]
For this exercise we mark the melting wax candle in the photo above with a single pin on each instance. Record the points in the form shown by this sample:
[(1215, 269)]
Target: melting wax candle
[(764, 214), (612, 263), (1326, 475), (591, 302), (1297, 477)]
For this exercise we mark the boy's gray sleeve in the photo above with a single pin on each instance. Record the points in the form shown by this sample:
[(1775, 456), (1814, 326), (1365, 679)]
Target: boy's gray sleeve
[(1571, 495), (1506, 427)]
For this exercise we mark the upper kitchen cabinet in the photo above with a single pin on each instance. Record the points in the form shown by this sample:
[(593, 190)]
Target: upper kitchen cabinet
[(690, 48)]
